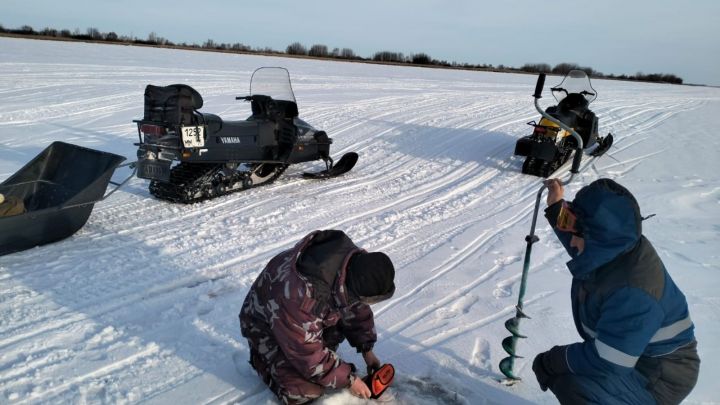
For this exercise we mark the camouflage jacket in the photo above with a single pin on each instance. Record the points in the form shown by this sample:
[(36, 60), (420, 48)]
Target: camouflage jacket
[(300, 293)]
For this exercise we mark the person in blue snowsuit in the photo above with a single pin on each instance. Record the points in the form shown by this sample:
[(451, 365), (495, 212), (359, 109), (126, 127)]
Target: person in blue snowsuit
[(638, 342)]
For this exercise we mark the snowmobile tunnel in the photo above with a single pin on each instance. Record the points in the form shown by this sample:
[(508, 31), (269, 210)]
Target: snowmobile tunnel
[(58, 188)]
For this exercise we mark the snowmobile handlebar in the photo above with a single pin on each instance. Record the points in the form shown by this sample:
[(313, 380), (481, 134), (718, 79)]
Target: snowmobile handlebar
[(245, 98), (539, 86), (582, 93)]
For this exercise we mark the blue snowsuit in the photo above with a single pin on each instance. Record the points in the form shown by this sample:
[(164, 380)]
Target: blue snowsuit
[(638, 339)]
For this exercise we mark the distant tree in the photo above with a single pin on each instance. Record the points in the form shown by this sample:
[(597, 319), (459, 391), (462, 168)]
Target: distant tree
[(656, 77), (210, 44), (240, 47), (154, 38), (266, 49), (388, 56), (421, 59), (2, 29), (93, 33), (347, 53), (668, 78), (564, 68), (111, 36), (65, 33), (49, 32), (27, 30), (589, 71), (318, 50), (296, 48), (536, 68)]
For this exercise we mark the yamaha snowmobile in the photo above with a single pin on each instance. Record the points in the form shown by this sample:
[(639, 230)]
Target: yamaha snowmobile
[(550, 146), (191, 156)]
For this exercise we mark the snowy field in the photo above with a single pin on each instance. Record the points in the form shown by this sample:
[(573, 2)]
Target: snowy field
[(140, 306)]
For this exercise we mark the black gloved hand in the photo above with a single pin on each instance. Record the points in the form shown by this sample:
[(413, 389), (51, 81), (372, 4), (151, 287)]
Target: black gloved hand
[(549, 365), (543, 377)]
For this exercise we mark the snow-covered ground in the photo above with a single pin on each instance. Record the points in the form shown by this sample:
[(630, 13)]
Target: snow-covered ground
[(141, 304)]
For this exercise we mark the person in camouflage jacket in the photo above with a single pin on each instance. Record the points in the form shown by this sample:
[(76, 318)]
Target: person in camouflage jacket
[(305, 302)]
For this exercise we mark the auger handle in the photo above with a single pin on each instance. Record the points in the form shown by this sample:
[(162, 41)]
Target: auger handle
[(576, 161), (539, 85)]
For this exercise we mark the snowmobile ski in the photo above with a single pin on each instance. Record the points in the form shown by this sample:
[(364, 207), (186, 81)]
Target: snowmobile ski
[(603, 145), (342, 166)]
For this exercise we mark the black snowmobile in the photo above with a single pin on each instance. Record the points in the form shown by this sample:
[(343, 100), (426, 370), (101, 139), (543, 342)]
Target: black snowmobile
[(550, 146), (191, 156)]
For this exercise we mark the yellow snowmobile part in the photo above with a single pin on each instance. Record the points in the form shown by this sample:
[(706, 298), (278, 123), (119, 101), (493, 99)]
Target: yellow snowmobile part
[(553, 130), (547, 123)]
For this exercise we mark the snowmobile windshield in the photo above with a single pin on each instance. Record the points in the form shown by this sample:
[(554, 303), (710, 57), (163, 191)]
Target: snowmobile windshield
[(575, 82), (273, 82)]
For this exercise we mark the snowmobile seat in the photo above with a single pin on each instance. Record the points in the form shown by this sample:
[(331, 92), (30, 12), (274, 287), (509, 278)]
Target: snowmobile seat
[(288, 108), (583, 120), (265, 106), (219, 127), (573, 101), (59, 188), (214, 123)]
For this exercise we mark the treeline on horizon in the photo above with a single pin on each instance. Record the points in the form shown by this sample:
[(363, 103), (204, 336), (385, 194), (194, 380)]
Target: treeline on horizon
[(322, 51)]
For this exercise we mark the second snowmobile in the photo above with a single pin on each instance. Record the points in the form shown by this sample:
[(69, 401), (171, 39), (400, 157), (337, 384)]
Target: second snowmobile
[(191, 156), (550, 146)]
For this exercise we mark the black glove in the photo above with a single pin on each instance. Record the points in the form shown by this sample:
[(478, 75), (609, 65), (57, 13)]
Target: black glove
[(543, 377), (549, 365)]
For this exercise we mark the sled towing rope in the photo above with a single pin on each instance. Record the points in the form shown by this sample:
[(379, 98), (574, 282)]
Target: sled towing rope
[(513, 324)]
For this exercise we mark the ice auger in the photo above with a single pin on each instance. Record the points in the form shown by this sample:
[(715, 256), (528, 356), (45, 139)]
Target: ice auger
[(513, 324)]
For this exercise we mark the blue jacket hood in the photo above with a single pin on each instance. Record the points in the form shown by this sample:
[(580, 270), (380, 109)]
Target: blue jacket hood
[(611, 224)]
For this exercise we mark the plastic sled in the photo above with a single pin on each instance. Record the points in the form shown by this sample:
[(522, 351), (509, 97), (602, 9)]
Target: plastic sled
[(59, 188)]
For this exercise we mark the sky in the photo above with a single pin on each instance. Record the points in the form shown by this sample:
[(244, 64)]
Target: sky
[(611, 36)]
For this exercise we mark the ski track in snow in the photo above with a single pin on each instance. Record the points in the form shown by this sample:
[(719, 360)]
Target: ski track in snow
[(141, 304)]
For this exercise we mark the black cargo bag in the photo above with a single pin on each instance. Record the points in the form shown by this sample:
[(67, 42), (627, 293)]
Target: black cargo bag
[(174, 104)]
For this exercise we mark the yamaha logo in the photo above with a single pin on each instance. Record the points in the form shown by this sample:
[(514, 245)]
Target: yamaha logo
[(229, 139)]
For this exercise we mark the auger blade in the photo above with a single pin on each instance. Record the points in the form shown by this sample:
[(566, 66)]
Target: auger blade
[(520, 314), (509, 345), (513, 325), (506, 366)]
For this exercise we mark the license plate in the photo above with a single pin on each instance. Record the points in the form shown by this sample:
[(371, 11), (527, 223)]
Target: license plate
[(154, 169), (193, 137)]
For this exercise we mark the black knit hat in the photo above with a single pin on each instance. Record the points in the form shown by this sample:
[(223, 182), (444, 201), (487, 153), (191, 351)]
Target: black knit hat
[(370, 277)]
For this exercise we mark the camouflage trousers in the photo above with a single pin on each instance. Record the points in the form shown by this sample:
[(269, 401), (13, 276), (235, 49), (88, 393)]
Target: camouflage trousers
[(278, 373)]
